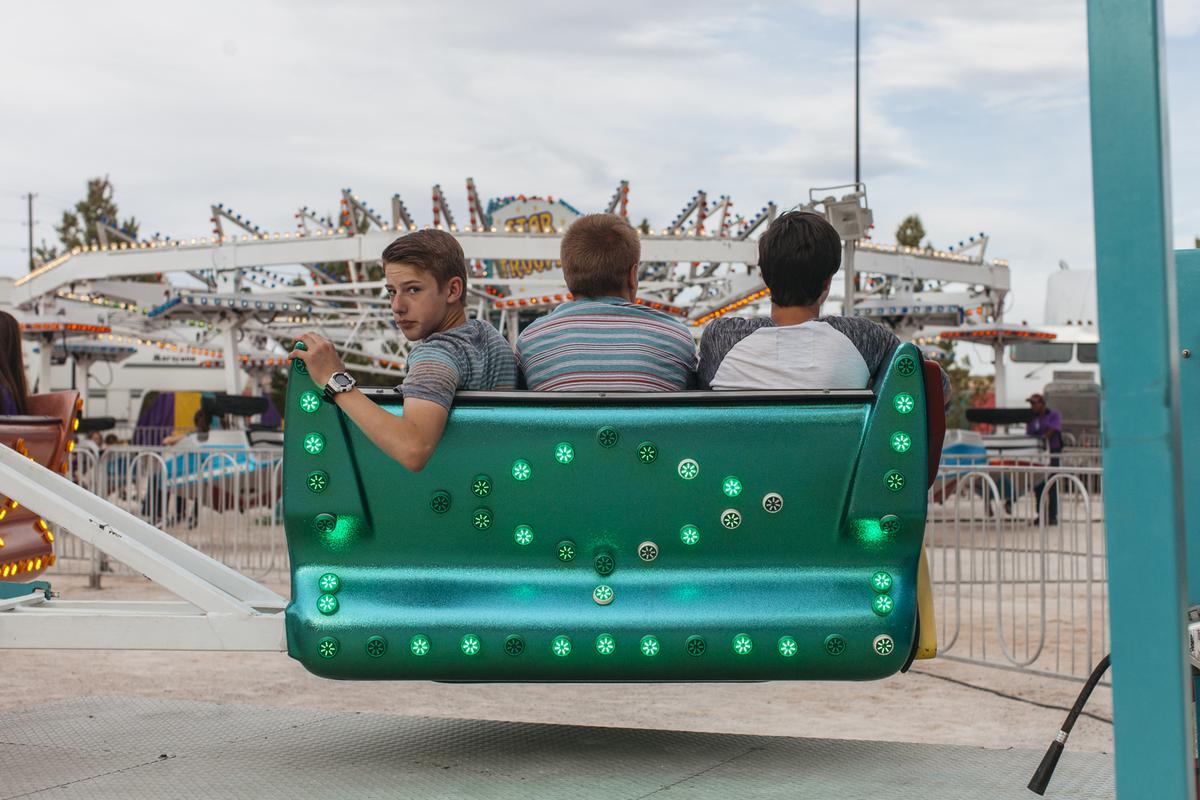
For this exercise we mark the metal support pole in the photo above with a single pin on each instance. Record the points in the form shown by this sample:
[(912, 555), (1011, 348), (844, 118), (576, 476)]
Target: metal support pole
[(1000, 382), (233, 372), (848, 266), (45, 352), (1139, 357)]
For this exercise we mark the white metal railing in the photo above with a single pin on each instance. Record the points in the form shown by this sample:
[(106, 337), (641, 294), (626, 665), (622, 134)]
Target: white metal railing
[(225, 503), (1017, 557)]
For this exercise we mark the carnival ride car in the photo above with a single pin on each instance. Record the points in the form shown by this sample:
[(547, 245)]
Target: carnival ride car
[(561, 537), (44, 435)]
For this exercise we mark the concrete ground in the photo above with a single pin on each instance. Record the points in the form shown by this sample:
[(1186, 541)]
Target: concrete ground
[(938, 702)]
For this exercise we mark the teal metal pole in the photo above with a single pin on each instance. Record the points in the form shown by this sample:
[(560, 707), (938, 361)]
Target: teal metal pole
[(1139, 358), (1187, 282)]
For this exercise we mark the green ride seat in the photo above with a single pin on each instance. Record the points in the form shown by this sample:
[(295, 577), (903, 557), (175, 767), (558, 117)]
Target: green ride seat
[(698, 536)]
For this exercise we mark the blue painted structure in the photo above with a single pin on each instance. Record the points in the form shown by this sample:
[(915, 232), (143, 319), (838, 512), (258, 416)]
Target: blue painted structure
[(1140, 362)]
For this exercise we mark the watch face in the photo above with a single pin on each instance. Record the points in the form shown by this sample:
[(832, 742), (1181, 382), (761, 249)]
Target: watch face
[(342, 379)]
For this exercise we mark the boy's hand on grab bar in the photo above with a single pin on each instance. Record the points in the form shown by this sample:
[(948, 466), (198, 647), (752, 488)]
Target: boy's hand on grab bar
[(320, 358)]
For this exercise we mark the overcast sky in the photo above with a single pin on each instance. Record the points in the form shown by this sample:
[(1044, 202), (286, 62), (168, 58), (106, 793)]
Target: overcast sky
[(974, 114)]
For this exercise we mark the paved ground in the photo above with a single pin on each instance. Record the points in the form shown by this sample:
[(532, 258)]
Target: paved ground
[(939, 702), (122, 748)]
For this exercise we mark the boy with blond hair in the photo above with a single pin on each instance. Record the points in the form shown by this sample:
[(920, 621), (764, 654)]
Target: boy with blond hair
[(602, 340)]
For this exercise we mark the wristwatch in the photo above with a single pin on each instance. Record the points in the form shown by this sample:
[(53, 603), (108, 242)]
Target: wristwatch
[(339, 382)]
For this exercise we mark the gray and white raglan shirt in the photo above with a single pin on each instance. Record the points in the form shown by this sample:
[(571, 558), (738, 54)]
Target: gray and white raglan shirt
[(823, 353)]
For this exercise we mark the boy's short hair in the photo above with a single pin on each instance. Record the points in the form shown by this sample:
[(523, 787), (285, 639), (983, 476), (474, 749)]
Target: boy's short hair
[(433, 251), (797, 254), (597, 252)]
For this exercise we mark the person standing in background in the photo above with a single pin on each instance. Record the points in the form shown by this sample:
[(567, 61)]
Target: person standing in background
[(13, 390), (1046, 425)]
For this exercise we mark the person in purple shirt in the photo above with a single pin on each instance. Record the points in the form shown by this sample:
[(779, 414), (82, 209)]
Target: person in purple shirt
[(1047, 426), (12, 370)]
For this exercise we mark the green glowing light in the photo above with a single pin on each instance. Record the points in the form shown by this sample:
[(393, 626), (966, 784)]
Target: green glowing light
[(604, 564), (324, 523), (565, 550), (772, 502), (649, 646), (689, 534), (881, 582), (647, 452), (695, 646), (482, 519), (607, 436), (310, 402), (901, 442), (514, 645), (787, 646), (564, 453), (742, 644), (561, 646), (469, 644), (328, 647), (688, 469), (731, 519), (317, 481), (439, 501), (521, 470), (904, 403), (327, 604), (889, 524), (906, 366), (329, 583), (894, 480), (603, 594), (523, 534), (314, 443), (731, 486), (835, 644), (883, 645), (882, 605), (419, 645), (481, 486), (376, 647), (605, 644)]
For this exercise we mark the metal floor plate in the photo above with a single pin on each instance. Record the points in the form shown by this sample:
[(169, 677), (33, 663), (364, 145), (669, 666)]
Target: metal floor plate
[(116, 747)]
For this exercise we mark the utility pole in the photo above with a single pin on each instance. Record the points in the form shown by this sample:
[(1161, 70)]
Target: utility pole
[(29, 197), (857, 149)]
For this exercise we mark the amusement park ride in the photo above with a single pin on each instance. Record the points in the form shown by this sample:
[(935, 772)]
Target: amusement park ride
[(593, 594)]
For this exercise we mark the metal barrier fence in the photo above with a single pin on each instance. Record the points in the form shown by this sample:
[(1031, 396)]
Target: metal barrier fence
[(1015, 585), (1017, 556), (225, 503)]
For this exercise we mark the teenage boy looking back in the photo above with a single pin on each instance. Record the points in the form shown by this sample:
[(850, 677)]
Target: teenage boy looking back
[(601, 341), (426, 277), (795, 347)]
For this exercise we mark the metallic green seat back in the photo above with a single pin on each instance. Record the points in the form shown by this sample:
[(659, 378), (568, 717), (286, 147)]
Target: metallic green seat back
[(693, 537)]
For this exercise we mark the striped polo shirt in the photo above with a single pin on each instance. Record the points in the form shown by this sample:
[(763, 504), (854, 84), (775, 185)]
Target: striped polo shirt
[(606, 344)]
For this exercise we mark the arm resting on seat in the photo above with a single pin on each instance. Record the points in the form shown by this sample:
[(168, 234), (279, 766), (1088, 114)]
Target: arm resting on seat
[(409, 439)]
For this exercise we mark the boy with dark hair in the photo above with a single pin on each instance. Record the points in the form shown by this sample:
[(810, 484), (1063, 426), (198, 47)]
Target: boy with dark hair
[(795, 347), (425, 277), (602, 341)]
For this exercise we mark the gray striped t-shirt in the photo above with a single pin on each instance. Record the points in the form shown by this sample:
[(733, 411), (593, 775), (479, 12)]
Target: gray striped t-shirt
[(473, 357)]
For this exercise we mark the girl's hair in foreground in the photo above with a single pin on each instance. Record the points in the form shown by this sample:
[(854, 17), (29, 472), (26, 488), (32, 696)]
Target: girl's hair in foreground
[(12, 370)]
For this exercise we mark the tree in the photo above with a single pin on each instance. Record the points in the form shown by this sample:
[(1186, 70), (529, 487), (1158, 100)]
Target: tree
[(78, 226), (644, 227), (910, 232)]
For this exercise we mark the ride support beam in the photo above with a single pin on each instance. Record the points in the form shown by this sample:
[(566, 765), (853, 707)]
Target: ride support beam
[(1140, 401)]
